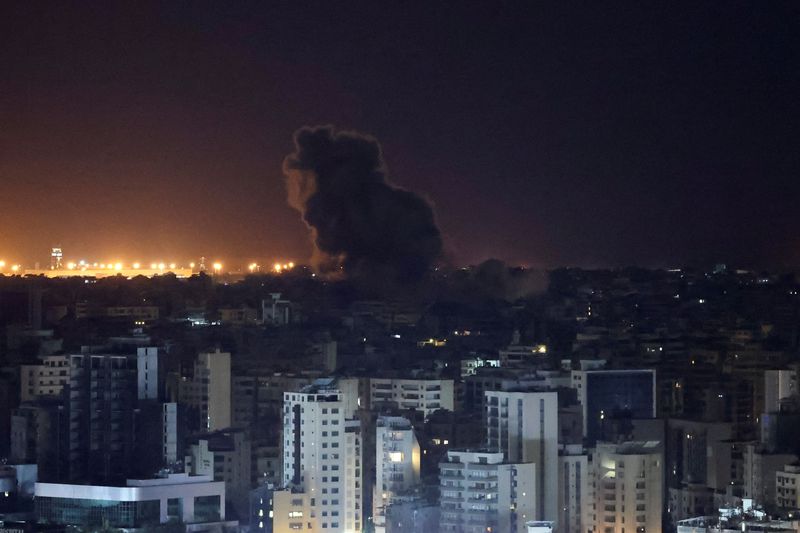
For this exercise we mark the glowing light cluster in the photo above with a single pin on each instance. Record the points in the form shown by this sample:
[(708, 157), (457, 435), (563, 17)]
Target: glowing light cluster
[(13, 267), (83, 265), (282, 267), (113, 266)]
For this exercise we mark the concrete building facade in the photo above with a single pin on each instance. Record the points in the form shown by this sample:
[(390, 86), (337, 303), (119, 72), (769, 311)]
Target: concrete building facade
[(323, 457), (193, 500), (628, 487), (397, 463), (47, 378), (426, 395), (481, 492), (209, 390), (524, 427)]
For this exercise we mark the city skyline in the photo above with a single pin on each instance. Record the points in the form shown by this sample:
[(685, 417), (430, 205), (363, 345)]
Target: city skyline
[(397, 267)]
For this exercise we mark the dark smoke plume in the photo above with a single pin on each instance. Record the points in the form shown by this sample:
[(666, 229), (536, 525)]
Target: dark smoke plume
[(500, 280), (362, 225)]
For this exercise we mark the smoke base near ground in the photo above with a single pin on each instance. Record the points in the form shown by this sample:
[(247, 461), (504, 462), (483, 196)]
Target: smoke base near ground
[(362, 225)]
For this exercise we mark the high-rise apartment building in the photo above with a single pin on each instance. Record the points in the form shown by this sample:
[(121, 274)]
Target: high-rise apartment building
[(170, 432), (574, 498), (480, 492), (628, 487), (101, 406), (610, 394), (524, 427), (209, 390), (148, 375), (322, 459), (397, 462)]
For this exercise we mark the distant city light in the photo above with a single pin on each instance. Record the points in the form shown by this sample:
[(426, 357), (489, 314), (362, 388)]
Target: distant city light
[(172, 265), (280, 267), (217, 267), (136, 265), (2, 264)]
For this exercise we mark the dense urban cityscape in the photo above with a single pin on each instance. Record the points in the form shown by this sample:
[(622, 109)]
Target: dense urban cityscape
[(590, 400), (399, 267)]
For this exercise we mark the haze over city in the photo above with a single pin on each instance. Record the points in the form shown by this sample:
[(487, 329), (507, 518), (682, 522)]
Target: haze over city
[(544, 136)]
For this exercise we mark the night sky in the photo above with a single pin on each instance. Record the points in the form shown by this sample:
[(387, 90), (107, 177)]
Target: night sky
[(593, 134)]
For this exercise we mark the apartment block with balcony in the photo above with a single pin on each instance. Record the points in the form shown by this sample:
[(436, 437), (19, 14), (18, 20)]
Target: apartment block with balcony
[(322, 461), (397, 465), (425, 395), (47, 378), (481, 492), (628, 487)]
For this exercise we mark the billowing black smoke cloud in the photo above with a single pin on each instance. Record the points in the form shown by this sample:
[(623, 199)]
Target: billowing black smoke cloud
[(361, 224)]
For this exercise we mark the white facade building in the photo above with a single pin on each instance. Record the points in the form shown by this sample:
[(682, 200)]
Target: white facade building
[(322, 458), (397, 463), (180, 497), (44, 379), (480, 492), (628, 487), (426, 395), (524, 427)]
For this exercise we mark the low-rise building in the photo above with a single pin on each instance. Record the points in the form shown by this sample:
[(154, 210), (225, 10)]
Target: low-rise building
[(225, 456), (196, 501), (787, 487)]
